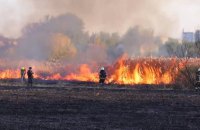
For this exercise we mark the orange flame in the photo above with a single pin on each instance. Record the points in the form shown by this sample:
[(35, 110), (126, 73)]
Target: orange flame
[(9, 74), (84, 74), (124, 71), (143, 71)]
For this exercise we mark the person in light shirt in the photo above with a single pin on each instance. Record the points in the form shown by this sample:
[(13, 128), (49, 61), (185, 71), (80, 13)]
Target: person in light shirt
[(23, 74)]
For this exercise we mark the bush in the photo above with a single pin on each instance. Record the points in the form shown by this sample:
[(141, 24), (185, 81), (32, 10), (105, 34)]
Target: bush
[(187, 77)]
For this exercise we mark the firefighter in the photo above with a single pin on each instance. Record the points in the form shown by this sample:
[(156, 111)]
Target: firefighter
[(30, 76), (102, 75), (198, 78), (23, 74)]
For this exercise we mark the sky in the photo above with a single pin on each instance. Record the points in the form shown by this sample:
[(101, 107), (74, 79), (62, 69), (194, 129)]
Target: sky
[(165, 17)]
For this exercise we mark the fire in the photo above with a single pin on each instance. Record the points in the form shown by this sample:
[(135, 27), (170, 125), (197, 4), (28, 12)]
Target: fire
[(9, 74), (52, 77), (84, 74), (12, 74), (143, 71), (124, 71)]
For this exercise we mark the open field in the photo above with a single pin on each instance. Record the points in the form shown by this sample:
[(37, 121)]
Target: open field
[(90, 106)]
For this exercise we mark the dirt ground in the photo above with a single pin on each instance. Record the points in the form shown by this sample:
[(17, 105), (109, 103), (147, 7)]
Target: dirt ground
[(89, 106)]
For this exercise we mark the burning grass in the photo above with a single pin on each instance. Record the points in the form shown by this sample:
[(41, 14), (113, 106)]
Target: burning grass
[(123, 71)]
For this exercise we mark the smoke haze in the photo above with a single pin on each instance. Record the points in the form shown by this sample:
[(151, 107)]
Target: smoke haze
[(108, 28), (58, 37), (112, 15), (98, 15)]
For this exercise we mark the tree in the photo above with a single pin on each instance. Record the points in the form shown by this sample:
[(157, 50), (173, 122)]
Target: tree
[(62, 48)]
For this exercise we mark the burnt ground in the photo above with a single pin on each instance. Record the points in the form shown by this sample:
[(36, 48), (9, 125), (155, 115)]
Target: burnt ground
[(89, 106)]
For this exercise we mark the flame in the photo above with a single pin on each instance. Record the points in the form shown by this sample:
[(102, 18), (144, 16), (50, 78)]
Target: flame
[(84, 74), (124, 71), (143, 71), (12, 74), (9, 74), (52, 77)]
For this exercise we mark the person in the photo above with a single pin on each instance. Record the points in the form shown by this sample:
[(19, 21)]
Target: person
[(102, 75), (30, 76), (23, 73), (197, 78)]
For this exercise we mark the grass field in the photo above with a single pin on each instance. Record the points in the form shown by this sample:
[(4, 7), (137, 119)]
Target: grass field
[(90, 106)]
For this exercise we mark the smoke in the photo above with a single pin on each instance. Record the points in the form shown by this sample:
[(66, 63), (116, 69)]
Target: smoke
[(39, 39), (98, 15), (140, 42), (112, 15), (61, 43), (7, 47), (65, 35), (63, 38)]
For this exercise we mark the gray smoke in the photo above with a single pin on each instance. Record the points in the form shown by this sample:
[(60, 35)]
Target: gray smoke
[(112, 15), (63, 38), (7, 47), (36, 41), (98, 15), (140, 42)]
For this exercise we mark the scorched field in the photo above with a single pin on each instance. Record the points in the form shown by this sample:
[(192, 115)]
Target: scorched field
[(85, 105)]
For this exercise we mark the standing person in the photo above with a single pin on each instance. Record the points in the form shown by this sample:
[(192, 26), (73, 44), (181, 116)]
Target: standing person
[(30, 77), (102, 75), (198, 79), (23, 73)]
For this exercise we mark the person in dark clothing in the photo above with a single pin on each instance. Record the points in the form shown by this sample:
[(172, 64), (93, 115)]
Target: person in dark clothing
[(198, 75), (30, 76), (197, 84), (102, 75)]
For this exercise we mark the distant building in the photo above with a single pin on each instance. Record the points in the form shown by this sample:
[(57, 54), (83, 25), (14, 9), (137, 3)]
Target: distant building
[(197, 36), (188, 37)]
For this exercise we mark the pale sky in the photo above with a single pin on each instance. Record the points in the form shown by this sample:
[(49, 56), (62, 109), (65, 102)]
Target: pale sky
[(165, 17)]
